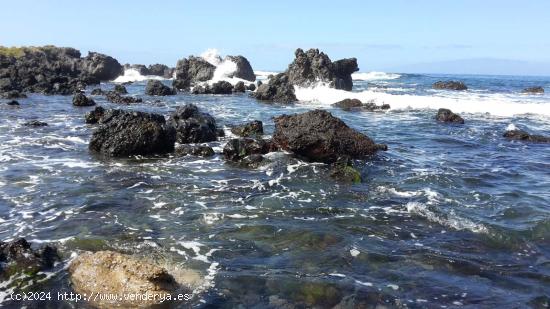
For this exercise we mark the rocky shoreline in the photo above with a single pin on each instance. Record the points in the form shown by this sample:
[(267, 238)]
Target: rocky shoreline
[(313, 136)]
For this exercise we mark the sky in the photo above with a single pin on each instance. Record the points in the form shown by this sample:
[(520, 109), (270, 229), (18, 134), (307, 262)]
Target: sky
[(505, 36)]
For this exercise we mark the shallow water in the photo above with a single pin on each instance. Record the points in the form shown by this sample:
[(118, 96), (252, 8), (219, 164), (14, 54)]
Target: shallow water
[(450, 216)]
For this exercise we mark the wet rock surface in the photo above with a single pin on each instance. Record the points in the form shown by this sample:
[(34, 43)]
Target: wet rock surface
[(97, 91), (277, 89), (193, 125), (342, 170), (318, 136), (239, 87), (521, 135), (194, 150), (120, 89), (80, 99), (533, 90), (95, 115), (108, 272), (155, 87), (114, 97), (446, 115), (12, 103), (449, 85), (251, 129), (18, 257), (126, 133), (247, 152), (357, 105), (35, 123)]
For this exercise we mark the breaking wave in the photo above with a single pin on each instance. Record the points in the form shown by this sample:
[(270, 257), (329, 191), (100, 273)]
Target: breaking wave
[(374, 76), (133, 75), (465, 102)]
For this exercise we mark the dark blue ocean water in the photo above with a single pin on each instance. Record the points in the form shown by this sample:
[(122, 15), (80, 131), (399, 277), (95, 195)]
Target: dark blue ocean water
[(450, 216)]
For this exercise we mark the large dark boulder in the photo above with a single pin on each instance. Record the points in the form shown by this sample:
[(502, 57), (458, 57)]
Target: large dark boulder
[(17, 257), (127, 133), (349, 104), (313, 66), (80, 99), (156, 87), (521, 135), (278, 89), (161, 70), (244, 69), (449, 85), (446, 115), (101, 66), (253, 128), (192, 70), (239, 87), (193, 125), (318, 136), (533, 90), (221, 87)]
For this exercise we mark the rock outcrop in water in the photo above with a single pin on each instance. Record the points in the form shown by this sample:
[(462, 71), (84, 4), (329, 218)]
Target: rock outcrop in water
[(313, 66), (160, 70), (239, 87), (192, 70), (80, 99), (247, 152), (35, 123), (192, 125), (127, 133), (194, 150), (95, 115), (318, 136), (115, 97), (533, 90), (12, 103), (342, 170), (120, 89), (107, 272), (18, 257), (446, 115), (521, 135), (250, 129), (156, 87), (53, 70), (220, 87), (244, 69), (357, 105), (277, 89), (449, 85)]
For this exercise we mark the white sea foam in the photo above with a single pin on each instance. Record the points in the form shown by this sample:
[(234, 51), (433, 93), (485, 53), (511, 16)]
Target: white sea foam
[(263, 75), (212, 55), (511, 127), (132, 75), (374, 76), (465, 102), (224, 68), (451, 220)]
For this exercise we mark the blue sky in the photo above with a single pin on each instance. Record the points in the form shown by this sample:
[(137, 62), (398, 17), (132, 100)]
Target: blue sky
[(391, 35)]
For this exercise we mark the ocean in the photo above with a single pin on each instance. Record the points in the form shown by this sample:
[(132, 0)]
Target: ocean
[(450, 216)]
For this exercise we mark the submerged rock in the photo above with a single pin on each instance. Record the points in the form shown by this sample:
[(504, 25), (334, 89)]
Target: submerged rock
[(250, 129), (35, 123), (94, 116), (18, 257), (278, 89), (244, 69), (318, 136), (449, 85), (97, 91), (120, 89), (114, 97), (194, 150), (192, 70), (357, 105), (343, 170), (246, 151), (12, 103), (239, 87), (127, 133), (155, 87), (446, 115), (192, 125), (533, 90), (107, 272), (521, 135), (80, 99), (313, 66)]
